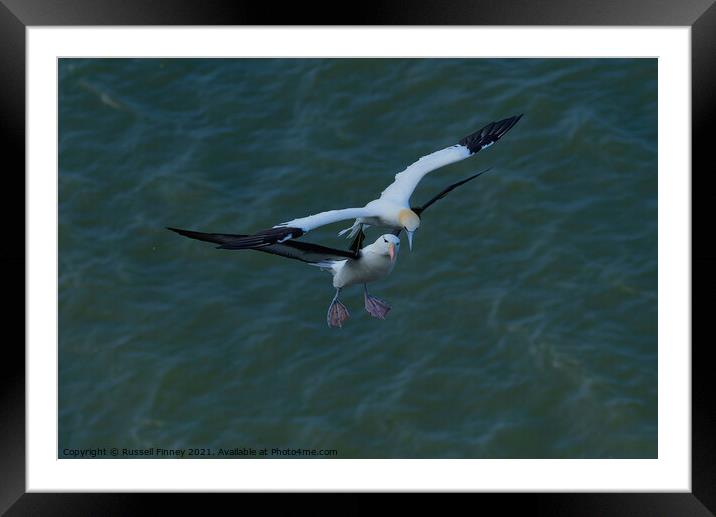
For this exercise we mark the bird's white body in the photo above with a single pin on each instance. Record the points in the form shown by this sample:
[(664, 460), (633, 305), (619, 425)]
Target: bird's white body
[(389, 216), (389, 213), (374, 264)]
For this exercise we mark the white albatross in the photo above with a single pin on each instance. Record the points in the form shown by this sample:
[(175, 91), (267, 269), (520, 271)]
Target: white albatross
[(392, 209), (349, 267), (376, 262)]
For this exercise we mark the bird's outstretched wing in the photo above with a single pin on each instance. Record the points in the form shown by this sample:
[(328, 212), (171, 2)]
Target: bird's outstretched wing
[(405, 182), (312, 222), (295, 228), (444, 192), (298, 250)]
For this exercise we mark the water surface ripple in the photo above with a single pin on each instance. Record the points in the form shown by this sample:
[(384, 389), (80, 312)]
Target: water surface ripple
[(524, 324)]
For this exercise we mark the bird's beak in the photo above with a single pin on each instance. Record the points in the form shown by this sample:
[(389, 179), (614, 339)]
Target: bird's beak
[(410, 240), (391, 251)]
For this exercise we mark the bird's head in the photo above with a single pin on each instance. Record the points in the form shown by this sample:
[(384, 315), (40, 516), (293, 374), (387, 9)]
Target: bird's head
[(410, 221), (388, 244)]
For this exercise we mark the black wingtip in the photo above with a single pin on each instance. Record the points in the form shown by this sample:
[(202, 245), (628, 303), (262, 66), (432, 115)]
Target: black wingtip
[(232, 241), (420, 209), (489, 134), (178, 230), (263, 238)]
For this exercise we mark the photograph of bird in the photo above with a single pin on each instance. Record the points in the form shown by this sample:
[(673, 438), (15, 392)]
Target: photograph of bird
[(357, 265), (392, 209), (546, 273)]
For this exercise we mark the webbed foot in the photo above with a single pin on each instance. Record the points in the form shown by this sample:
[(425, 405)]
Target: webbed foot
[(376, 307), (337, 314)]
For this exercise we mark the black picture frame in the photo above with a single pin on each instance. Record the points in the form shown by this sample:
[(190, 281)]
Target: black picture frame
[(17, 15)]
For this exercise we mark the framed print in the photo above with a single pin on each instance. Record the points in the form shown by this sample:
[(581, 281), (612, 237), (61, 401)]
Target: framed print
[(531, 332)]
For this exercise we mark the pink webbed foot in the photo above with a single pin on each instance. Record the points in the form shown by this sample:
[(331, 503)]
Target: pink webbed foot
[(337, 314), (376, 307)]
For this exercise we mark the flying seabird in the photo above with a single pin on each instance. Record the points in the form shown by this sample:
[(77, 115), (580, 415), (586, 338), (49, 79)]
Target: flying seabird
[(392, 209), (356, 265)]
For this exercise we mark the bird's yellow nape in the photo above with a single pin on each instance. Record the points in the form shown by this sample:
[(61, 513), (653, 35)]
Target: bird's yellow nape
[(409, 220)]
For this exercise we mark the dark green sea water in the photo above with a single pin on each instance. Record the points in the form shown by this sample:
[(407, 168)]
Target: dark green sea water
[(524, 323)]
